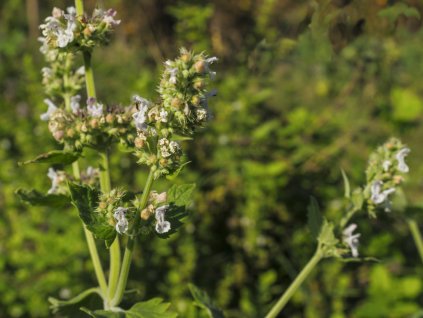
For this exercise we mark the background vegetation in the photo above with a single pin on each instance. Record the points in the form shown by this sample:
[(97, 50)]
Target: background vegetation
[(304, 88)]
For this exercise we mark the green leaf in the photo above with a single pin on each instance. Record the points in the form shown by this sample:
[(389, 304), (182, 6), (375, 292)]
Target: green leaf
[(177, 172), (347, 188), (203, 300), (153, 308), (357, 199), (180, 195), (55, 157), (392, 13), (70, 308), (315, 219), (326, 236), (85, 199), (34, 197)]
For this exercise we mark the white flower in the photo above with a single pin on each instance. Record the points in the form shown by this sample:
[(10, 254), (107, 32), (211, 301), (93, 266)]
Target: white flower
[(164, 147), (351, 240), (201, 114), (109, 18), (122, 222), (92, 172), (51, 109), (162, 226), (210, 61), (65, 36), (378, 196), (46, 72), (94, 109), (173, 71), (402, 166), (174, 147), (386, 164), (74, 103), (55, 180), (80, 71), (140, 117), (163, 116)]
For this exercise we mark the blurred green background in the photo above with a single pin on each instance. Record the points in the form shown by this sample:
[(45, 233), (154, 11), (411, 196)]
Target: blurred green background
[(305, 88)]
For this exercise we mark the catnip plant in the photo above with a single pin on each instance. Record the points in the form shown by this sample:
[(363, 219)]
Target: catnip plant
[(339, 238), (152, 131)]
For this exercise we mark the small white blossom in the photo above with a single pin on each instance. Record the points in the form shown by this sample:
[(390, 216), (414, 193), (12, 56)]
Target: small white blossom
[(173, 71), (377, 195), (386, 164), (164, 147), (55, 180), (210, 61), (94, 109), (174, 147), (351, 239), (201, 114), (162, 226), (109, 18), (46, 72), (92, 172), (400, 156), (122, 222), (80, 71), (65, 36), (51, 109), (163, 116), (140, 117), (74, 103)]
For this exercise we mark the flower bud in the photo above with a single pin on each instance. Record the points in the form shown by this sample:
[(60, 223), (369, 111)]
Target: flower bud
[(199, 84), (145, 214), (70, 133), (84, 128), (200, 66), (196, 100), (176, 103), (56, 13), (58, 135), (110, 118), (102, 205), (87, 32), (139, 142), (186, 57), (94, 123), (398, 179), (163, 162)]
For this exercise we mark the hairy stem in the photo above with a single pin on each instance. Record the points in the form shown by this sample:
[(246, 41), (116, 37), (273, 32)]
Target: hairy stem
[(277, 308), (104, 182), (417, 236), (123, 277), (98, 269)]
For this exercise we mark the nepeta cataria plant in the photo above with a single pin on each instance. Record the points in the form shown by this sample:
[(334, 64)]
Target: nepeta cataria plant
[(338, 238), (151, 131)]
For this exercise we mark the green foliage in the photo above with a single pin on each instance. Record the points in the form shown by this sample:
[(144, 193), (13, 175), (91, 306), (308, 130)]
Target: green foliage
[(153, 308), (203, 300), (34, 197), (55, 157), (315, 219), (180, 195), (85, 199), (71, 308)]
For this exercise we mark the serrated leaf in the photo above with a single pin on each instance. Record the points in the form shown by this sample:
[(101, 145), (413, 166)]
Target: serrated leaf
[(203, 300), (35, 197), (177, 172), (85, 199), (153, 308), (70, 308), (347, 188), (180, 195), (315, 218), (327, 236), (55, 157), (393, 12)]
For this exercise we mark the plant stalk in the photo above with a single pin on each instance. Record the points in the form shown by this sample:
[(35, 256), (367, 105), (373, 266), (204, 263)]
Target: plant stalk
[(123, 278), (104, 177), (277, 308), (417, 236)]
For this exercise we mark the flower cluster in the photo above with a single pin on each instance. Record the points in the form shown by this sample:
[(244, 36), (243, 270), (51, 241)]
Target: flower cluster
[(68, 30), (183, 90), (94, 125), (384, 174)]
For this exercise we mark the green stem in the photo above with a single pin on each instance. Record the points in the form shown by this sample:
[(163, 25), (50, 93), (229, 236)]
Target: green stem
[(123, 278), (417, 236), (276, 309), (79, 5), (98, 269), (114, 250), (89, 75)]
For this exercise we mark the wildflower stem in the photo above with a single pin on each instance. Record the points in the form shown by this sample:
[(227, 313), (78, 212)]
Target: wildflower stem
[(276, 309), (98, 269), (123, 278), (417, 236)]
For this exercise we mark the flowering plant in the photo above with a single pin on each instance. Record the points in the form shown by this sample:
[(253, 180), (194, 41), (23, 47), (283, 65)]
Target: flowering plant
[(151, 131)]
